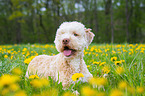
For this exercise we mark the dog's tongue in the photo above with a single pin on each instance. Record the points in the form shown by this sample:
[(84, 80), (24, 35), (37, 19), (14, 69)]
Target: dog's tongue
[(67, 52)]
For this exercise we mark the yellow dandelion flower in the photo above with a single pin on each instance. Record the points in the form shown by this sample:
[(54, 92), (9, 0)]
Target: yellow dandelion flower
[(20, 93), (116, 92), (1, 49), (50, 92), (96, 62), (85, 53), (92, 49), (142, 51), (32, 57), (28, 53), (122, 85), (131, 90), (107, 50), (87, 91), (122, 61), (12, 57), (98, 81), (113, 52), (124, 50), (44, 82), (27, 61), (68, 94), (76, 76), (101, 94), (88, 66), (23, 53), (139, 89), (5, 92), (7, 79), (17, 71), (14, 87), (120, 70), (118, 62), (130, 53), (106, 69), (36, 83), (9, 51), (6, 56), (102, 63), (113, 59), (96, 55), (24, 49), (34, 77)]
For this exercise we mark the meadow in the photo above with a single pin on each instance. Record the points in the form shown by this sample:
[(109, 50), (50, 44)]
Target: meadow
[(118, 70)]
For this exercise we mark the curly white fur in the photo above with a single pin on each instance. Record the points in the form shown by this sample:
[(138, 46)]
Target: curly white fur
[(63, 66)]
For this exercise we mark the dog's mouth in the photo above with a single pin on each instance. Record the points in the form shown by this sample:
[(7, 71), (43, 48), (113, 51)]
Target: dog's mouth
[(68, 52)]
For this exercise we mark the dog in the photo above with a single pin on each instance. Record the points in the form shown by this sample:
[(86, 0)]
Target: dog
[(70, 41)]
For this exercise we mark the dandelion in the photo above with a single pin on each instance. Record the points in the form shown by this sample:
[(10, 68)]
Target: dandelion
[(25, 49), (102, 63), (68, 94), (36, 83), (5, 91), (27, 61), (14, 87), (20, 93), (34, 77), (6, 56), (88, 66), (118, 62), (96, 55), (96, 63), (113, 59), (6, 79), (17, 71), (106, 69), (113, 52), (87, 91), (50, 92), (85, 53), (98, 81), (120, 70), (12, 57), (122, 85), (44, 82), (122, 61), (131, 90), (116, 92), (142, 51), (76, 76), (140, 90), (106, 50)]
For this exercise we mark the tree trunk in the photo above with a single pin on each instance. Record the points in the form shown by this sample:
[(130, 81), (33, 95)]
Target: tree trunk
[(127, 21), (96, 17), (18, 32), (112, 26), (107, 25)]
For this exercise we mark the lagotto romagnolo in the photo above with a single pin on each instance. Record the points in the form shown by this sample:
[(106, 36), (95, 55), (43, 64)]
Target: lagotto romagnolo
[(70, 41)]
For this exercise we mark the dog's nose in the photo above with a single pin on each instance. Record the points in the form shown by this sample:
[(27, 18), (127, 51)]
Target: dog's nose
[(65, 41)]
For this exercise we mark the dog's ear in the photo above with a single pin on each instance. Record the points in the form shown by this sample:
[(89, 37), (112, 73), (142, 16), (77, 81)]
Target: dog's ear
[(90, 36)]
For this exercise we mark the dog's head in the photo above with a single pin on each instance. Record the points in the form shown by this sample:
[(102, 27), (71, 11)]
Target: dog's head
[(72, 37)]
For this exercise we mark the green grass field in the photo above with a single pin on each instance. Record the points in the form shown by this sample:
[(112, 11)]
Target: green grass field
[(118, 70)]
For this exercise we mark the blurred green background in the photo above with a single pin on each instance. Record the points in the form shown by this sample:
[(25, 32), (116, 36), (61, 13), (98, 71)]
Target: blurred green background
[(36, 21)]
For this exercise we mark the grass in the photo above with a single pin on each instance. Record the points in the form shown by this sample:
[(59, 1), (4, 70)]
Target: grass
[(124, 75)]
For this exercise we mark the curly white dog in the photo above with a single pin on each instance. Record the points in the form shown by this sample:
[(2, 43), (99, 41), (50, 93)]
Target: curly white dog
[(71, 39)]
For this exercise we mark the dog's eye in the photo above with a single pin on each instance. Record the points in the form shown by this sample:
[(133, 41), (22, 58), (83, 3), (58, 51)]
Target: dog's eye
[(76, 34)]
